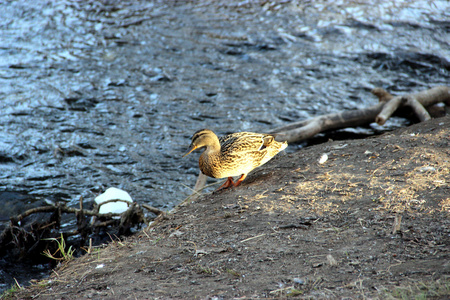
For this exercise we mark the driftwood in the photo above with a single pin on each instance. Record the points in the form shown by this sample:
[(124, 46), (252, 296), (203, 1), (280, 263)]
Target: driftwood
[(417, 102), (379, 113), (29, 239)]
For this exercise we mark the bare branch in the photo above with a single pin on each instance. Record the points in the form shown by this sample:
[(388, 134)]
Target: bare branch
[(388, 109), (388, 104), (152, 209)]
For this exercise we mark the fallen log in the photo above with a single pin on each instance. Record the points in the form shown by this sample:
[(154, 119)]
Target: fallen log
[(388, 104), (303, 130)]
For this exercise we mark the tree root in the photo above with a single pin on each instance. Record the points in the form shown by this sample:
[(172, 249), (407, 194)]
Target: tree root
[(30, 239)]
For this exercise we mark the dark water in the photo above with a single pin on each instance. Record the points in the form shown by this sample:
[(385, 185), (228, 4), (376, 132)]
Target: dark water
[(96, 94)]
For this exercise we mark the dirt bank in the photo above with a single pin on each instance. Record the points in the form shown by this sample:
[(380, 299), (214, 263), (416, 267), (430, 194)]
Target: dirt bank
[(294, 227)]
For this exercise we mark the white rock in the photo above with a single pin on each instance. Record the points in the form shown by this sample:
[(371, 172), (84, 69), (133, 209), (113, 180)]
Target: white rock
[(113, 207), (323, 158), (427, 169)]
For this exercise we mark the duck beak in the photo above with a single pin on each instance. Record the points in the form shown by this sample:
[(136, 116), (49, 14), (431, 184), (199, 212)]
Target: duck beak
[(192, 149)]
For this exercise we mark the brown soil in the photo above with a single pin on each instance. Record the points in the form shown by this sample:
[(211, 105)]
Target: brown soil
[(293, 228)]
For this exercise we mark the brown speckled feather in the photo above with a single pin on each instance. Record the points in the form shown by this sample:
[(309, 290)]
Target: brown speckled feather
[(234, 154)]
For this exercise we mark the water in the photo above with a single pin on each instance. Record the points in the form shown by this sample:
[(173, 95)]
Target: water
[(96, 94)]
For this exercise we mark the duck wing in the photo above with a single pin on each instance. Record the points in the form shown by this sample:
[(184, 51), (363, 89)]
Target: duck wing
[(245, 142)]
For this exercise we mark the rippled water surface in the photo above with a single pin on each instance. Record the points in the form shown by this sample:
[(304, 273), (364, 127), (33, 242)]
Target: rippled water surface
[(96, 94), (103, 93)]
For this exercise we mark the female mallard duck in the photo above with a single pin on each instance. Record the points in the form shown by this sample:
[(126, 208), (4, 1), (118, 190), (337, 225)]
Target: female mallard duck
[(234, 154)]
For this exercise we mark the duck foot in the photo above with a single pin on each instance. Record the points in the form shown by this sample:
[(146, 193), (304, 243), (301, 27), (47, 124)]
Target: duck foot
[(230, 182)]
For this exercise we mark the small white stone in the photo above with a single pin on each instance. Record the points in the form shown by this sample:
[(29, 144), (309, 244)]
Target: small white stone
[(323, 158), (427, 169)]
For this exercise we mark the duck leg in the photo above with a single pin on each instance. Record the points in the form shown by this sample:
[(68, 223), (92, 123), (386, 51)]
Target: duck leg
[(230, 182), (239, 180)]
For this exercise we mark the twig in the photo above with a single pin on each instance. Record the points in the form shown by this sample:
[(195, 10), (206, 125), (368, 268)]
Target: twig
[(397, 224), (65, 209), (196, 193), (152, 209), (282, 290), (253, 237), (114, 200), (201, 181)]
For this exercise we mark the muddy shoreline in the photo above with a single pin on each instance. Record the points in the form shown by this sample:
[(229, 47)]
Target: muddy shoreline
[(295, 227)]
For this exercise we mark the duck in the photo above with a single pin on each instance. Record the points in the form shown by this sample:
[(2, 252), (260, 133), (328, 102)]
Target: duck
[(235, 154)]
